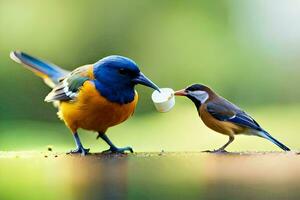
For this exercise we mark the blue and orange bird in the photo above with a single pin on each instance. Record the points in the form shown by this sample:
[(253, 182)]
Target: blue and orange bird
[(223, 116), (92, 97)]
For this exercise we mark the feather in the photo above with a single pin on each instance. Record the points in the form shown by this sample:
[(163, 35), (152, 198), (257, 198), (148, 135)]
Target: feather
[(267, 136), (226, 111), (46, 70), (67, 89)]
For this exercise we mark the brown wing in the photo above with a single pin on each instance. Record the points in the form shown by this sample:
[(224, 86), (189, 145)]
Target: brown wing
[(223, 110)]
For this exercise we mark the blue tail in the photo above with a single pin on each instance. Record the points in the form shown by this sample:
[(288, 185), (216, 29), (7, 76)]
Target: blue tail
[(266, 135), (48, 71)]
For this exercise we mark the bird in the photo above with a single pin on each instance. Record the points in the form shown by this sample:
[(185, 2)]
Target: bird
[(224, 117), (93, 97)]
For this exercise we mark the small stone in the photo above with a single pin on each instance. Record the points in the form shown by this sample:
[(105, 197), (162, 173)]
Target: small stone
[(49, 148), (161, 153)]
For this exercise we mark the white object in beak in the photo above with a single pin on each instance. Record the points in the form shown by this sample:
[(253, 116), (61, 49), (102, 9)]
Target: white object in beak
[(164, 100)]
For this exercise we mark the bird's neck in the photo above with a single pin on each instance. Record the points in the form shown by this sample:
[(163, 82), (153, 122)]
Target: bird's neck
[(117, 93), (195, 101)]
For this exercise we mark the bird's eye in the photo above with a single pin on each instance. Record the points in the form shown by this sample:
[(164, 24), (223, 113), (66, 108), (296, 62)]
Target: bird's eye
[(122, 71)]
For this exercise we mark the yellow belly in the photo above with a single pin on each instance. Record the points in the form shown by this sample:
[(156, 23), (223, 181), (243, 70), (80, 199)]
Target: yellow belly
[(226, 128), (91, 111)]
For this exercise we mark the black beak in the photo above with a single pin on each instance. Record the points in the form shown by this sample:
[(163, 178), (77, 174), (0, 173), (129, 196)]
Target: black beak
[(143, 80)]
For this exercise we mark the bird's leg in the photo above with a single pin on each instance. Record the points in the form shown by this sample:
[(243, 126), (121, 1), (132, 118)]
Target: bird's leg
[(112, 147), (80, 149), (222, 149)]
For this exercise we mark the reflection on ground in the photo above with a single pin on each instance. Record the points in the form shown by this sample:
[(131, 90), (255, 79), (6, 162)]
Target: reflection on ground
[(31, 175)]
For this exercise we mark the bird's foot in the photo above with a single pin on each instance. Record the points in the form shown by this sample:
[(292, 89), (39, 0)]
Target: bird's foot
[(118, 150), (80, 150), (216, 151)]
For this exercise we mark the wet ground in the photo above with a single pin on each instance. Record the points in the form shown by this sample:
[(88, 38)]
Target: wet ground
[(247, 175)]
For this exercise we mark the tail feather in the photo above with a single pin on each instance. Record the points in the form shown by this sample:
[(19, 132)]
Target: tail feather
[(48, 71), (266, 135)]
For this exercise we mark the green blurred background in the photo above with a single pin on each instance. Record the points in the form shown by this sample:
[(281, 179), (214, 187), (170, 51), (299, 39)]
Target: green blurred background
[(248, 51)]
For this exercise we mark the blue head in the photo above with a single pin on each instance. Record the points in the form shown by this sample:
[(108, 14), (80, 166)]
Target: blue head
[(116, 77)]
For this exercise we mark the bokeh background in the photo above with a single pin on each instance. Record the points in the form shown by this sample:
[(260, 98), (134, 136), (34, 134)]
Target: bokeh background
[(248, 51)]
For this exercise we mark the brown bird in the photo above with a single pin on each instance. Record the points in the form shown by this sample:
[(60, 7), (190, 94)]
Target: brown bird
[(223, 116)]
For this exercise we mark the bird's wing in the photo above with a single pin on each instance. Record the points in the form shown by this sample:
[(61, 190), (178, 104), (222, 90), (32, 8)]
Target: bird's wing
[(226, 111), (69, 86)]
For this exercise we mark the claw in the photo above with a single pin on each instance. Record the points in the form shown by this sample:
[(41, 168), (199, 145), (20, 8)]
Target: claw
[(81, 151), (118, 150), (216, 151), (98, 136)]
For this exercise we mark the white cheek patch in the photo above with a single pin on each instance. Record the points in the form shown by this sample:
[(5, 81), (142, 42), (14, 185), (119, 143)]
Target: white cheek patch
[(202, 96)]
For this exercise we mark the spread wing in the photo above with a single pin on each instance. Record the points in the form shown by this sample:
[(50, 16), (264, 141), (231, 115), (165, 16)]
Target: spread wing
[(69, 86), (226, 111)]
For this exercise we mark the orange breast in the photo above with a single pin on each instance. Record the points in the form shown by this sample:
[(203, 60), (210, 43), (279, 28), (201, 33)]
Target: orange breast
[(226, 128), (91, 111)]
